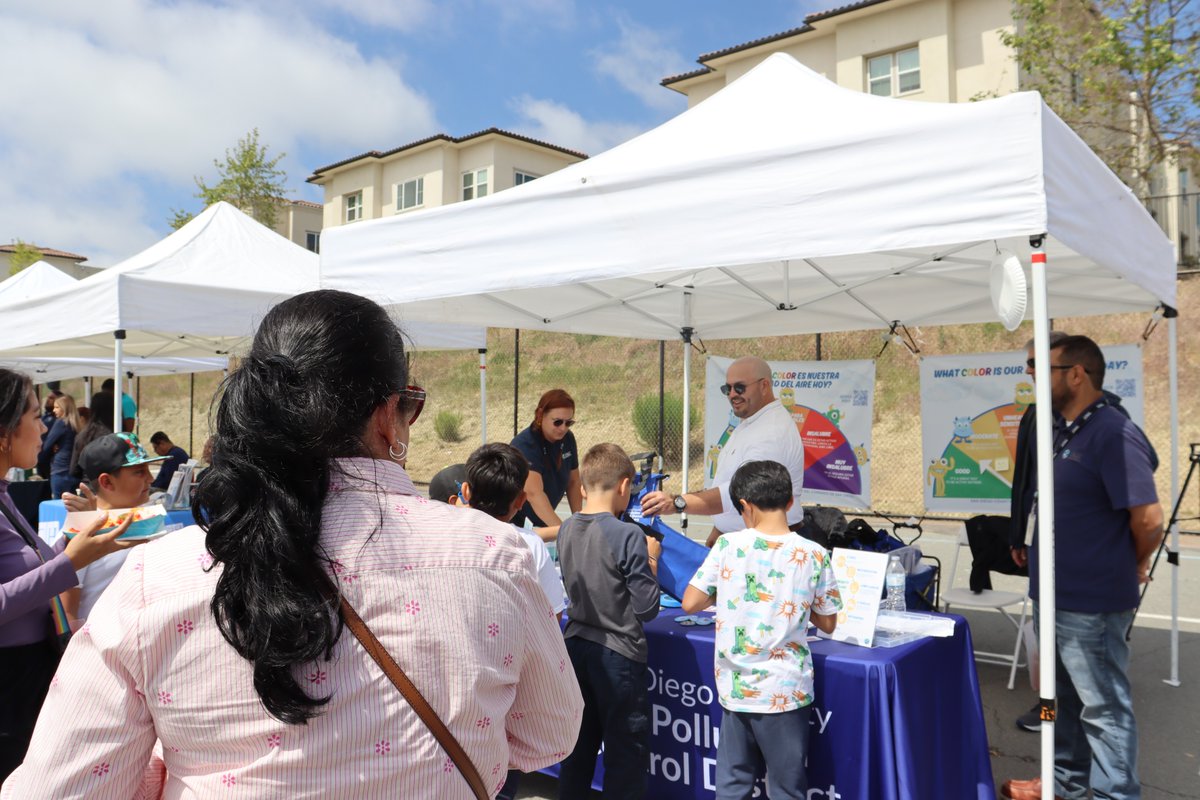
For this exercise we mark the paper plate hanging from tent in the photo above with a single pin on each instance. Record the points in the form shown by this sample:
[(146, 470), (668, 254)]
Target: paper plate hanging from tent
[(1009, 295)]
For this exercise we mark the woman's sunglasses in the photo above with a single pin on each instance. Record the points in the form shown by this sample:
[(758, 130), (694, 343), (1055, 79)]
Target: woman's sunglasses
[(413, 400), (558, 423)]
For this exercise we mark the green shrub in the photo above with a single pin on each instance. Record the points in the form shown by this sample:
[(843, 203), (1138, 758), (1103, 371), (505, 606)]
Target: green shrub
[(448, 426), (645, 424)]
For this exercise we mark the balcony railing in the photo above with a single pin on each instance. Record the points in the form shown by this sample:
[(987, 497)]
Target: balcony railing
[(1179, 217)]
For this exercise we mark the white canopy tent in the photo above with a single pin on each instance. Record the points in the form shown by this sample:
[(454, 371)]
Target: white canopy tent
[(48, 369), (37, 279), (198, 293), (785, 204)]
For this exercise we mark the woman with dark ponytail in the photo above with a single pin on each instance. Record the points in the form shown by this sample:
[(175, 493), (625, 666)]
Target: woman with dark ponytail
[(226, 641)]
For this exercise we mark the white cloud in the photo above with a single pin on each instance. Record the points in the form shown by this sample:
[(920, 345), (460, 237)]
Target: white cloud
[(639, 59), (100, 97), (401, 15), (557, 124), (534, 14)]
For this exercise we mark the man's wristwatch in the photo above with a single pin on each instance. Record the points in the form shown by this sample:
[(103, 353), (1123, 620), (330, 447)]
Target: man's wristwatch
[(679, 503)]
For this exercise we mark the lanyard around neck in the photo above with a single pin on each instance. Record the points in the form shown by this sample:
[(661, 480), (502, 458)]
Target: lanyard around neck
[(1062, 440)]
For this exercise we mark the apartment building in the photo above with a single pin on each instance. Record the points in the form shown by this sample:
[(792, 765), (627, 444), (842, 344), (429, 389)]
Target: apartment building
[(69, 263), (434, 171), (300, 222)]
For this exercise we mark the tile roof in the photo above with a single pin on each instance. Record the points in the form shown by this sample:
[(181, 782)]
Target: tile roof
[(48, 252), (816, 16), (445, 138)]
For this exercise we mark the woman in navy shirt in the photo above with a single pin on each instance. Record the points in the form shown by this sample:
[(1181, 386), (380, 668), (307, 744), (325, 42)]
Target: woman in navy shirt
[(549, 447), (60, 443)]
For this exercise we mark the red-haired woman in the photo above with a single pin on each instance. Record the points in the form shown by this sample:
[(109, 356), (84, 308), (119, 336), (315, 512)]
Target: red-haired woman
[(553, 456)]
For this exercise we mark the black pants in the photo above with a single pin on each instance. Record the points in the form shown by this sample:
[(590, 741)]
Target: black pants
[(25, 673), (616, 711)]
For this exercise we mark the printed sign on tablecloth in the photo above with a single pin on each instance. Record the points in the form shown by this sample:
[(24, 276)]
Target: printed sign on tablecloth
[(971, 406), (832, 403), (860, 576)]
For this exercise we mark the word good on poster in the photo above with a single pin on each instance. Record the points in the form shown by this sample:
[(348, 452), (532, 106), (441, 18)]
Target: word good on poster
[(971, 407), (832, 403)]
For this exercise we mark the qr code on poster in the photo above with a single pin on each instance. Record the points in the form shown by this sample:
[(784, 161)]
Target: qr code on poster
[(1125, 387), (860, 397)]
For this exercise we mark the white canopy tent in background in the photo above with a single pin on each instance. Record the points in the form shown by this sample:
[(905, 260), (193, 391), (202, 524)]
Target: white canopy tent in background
[(37, 279), (785, 204), (198, 293), (44, 370)]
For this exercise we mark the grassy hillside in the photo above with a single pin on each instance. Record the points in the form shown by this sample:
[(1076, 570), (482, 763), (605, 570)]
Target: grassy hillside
[(607, 374)]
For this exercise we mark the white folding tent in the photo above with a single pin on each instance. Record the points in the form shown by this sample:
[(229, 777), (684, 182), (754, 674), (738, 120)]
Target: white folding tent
[(198, 293), (785, 204), (37, 279), (48, 369)]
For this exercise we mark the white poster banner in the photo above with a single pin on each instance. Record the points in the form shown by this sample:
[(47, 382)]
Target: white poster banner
[(832, 403), (860, 576), (971, 406)]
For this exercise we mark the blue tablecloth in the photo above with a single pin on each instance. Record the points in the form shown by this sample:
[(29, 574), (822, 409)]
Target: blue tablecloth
[(888, 723), (51, 514)]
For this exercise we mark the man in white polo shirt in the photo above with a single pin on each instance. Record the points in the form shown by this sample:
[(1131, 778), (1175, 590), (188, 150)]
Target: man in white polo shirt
[(766, 432)]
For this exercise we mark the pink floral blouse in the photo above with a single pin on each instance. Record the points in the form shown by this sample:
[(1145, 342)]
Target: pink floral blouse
[(451, 594)]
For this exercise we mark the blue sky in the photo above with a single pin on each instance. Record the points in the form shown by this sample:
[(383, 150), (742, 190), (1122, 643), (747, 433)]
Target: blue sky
[(111, 108)]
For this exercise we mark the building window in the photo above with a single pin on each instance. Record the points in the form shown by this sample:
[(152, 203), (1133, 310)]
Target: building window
[(523, 177), (354, 209), (312, 241), (410, 194), (893, 74), (475, 184)]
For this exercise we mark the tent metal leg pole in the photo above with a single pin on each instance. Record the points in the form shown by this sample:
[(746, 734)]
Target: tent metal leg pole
[(1173, 358), (483, 394), (192, 412), (118, 354), (87, 391), (686, 334), (1044, 505)]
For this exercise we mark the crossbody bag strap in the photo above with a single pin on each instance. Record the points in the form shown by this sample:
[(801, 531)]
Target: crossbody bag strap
[(444, 737)]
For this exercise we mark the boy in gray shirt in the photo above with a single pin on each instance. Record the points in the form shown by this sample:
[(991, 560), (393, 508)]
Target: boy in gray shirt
[(609, 570)]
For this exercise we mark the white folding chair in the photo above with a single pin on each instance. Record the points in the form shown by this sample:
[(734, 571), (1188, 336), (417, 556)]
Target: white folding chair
[(988, 598)]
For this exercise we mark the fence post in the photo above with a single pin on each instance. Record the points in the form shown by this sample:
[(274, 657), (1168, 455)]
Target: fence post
[(818, 347), (662, 377), (516, 377)]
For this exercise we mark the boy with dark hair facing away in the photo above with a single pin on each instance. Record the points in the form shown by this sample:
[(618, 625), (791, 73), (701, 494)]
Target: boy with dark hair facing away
[(767, 583), (609, 569)]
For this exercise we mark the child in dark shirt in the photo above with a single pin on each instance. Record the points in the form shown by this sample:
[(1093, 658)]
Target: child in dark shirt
[(609, 570)]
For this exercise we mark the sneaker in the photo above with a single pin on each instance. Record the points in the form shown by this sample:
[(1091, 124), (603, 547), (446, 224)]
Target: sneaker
[(1031, 720)]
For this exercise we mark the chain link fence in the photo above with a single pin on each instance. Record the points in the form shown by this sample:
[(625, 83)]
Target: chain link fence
[(620, 385)]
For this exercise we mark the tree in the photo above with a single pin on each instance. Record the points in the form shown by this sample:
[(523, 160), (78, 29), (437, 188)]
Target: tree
[(247, 178), (1124, 74), (23, 255)]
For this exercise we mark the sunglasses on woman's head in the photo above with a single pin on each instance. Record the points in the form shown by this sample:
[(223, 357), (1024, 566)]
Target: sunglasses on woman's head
[(413, 400), (558, 423)]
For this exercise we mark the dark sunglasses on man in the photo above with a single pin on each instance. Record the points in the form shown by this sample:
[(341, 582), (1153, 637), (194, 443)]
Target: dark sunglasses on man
[(738, 388)]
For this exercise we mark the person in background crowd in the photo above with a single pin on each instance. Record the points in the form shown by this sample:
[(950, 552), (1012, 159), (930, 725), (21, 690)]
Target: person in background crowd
[(175, 457), (1107, 525), (118, 474), (48, 420), (549, 447), (58, 446), (766, 432), (767, 700), (128, 406), (99, 424), (227, 640), (32, 573), (610, 572)]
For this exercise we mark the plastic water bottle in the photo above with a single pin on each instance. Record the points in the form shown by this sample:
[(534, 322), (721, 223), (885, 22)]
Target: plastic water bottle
[(895, 582)]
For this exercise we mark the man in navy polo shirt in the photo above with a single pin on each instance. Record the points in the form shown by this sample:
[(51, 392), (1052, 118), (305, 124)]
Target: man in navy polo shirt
[(1107, 525)]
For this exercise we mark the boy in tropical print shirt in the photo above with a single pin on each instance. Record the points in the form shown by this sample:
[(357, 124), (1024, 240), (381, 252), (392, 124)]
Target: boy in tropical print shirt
[(767, 583)]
